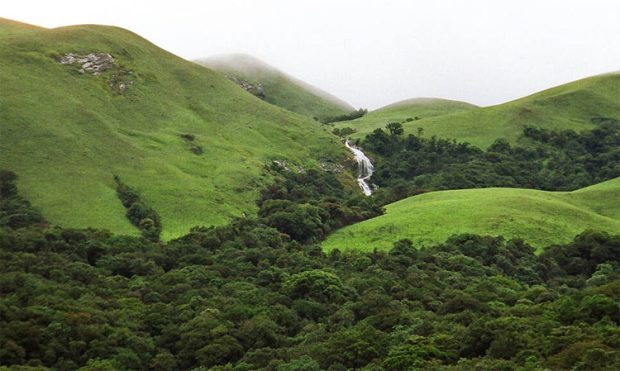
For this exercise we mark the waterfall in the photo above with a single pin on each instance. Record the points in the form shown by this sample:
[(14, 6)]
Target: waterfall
[(364, 168)]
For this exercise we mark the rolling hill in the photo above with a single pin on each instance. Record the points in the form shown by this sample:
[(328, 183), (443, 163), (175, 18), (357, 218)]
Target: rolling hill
[(408, 112), (538, 217), (276, 87), (570, 106), (81, 104)]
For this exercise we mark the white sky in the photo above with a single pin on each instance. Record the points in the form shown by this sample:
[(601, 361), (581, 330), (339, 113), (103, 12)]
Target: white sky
[(372, 53)]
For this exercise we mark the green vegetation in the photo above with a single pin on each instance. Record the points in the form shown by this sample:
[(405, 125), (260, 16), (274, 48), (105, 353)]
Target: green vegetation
[(409, 112), (306, 206), (15, 211), (10, 28), (346, 117), (569, 106), (140, 142), (538, 217), (553, 161), (276, 87), (66, 134), (144, 217), (245, 297)]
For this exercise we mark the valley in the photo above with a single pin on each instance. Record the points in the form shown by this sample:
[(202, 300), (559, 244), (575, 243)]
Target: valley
[(162, 213)]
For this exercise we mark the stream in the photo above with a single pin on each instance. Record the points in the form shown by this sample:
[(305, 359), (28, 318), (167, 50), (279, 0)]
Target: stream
[(364, 168)]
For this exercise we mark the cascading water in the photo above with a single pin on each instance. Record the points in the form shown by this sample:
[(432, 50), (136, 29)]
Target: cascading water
[(364, 168)]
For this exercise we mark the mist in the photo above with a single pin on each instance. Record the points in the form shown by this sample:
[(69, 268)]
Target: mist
[(373, 53)]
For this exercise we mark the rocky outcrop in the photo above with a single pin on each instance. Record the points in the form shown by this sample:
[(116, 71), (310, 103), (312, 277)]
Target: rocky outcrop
[(331, 167), (283, 165), (94, 63), (256, 90)]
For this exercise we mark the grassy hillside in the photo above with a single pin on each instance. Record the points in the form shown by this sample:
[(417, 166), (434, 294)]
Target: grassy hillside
[(9, 28), (65, 133), (540, 218), (569, 106), (407, 112), (277, 87)]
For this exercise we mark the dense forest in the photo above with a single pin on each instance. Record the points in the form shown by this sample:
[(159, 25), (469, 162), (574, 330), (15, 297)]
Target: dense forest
[(545, 159), (259, 293)]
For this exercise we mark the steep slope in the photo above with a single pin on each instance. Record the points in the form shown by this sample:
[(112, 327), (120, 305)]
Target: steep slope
[(276, 87), (407, 112), (538, 217), (576, 105), (147, 118)]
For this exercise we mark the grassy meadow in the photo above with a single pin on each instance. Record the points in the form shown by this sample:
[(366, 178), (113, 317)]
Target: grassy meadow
[(66, 134), (538, 217), (568, 106)]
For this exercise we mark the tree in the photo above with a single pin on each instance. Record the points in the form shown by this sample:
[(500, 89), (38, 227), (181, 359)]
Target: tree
[(316, 284), (395, 128), (7, 183), (303, 363)]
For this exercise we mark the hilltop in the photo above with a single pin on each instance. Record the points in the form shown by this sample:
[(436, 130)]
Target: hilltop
[(576, 105), (276, 87), (191, 143), (408, 112), (10, 28), (538, 217)]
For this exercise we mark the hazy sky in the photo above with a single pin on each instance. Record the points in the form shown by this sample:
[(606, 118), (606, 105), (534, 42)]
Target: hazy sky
[(372, 53)]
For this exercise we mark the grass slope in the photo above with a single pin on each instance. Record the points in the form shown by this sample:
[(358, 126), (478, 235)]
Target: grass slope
[(569, 106), (538, 217), (421, 108), (65, 134), (9, 28), (279, 88)]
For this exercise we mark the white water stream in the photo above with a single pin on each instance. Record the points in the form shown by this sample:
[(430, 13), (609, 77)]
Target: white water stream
[(364, 168)]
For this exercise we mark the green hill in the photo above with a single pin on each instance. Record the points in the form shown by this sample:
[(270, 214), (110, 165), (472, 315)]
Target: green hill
[(407, 112), (538, 217), (571, 106), (190, 141), (276, 87), (10, 28)]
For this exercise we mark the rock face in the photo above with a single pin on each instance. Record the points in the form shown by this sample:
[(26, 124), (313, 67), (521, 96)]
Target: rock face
[(94, 63)]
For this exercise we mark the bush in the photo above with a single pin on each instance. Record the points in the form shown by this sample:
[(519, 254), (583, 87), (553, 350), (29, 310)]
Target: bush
[(139, 214)]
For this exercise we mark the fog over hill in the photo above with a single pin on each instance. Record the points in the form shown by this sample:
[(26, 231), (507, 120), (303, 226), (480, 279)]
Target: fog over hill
[(277, 87)]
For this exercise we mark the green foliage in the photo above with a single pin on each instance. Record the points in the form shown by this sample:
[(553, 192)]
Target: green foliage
[(553, 161), (303, 363), (538, 217), (346, 117), (302, 222), (570, 106), (395, 128), (243, 296), (415, 165), (344, 132), (239, 297), (139, 214), (317, 285), (53, 117), (259, 293), (7, 184), (15, 211), (308, 205)]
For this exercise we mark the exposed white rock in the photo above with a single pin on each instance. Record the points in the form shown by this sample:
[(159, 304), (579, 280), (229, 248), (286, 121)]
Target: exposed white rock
[(94, 63)]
